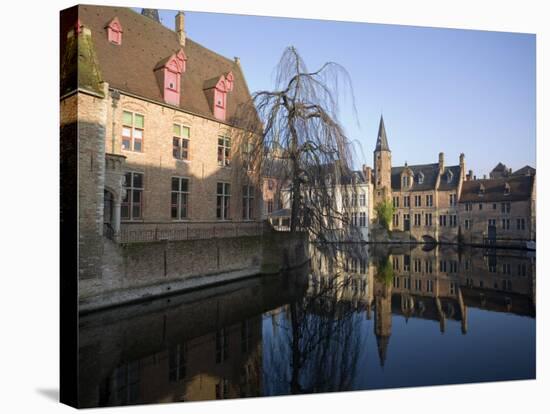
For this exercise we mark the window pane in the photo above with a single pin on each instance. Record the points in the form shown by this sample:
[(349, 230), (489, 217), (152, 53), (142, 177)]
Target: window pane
[(137, 146), (220, 142), (126, 132), (183, 207), (175, 183), (127, 181), (177, 130), (136, 196), (124, 211), (138, 121), (136, 211), (126, 144), (138, 133), (227, 189), (185, 143), (184, 132), (127, 118), (138, 180), (220, 188), (184, 185)]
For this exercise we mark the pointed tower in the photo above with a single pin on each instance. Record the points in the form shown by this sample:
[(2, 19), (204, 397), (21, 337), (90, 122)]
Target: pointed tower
[(382, 165), (151, 13)]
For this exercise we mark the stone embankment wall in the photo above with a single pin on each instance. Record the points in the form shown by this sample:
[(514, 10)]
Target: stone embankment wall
[(140, 271)]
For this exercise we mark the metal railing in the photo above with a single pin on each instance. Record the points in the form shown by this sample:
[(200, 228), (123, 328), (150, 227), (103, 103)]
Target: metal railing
[(151, 232)]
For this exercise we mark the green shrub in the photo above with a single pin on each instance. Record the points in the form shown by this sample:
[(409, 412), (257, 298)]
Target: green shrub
[(384, 211)]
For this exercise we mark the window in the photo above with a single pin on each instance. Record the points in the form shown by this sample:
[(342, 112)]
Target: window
[(494, 206), (396, 282), (520, 224), (452, 199), (395, 261), (180, 142), (363, 200), (420, 177), (492, 223), (180, 198), (428, 266), (505, 208), (506, 268), (176, 363), (454, 288), (428, 219), (417, 201), (468, 206), (396, 201), (363, 219), (452, 220), (222, 345), (131, 206), (418, 284), (453, 266), (505, 224), (224, 151), (442, 266), (429, 200), (467, 224), (248, 151), (407, 263), (222, 201), (522, 269), (405, 181), (417, 265), (395, 220), (417, 219), (429, 286), (222, 389), (407, 201), (480, 206), (248, 202), (443, 220), (269, 206), (132, 131), (354, 219)]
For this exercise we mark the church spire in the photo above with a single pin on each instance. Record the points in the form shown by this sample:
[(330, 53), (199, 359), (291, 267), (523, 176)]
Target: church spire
[(382, 140), (151, 13)]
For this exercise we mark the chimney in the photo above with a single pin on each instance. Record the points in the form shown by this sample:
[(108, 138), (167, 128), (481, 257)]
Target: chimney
[(238, 61), (180, 27), (367, 173), (461, 159), (470, 175), (441, 161)]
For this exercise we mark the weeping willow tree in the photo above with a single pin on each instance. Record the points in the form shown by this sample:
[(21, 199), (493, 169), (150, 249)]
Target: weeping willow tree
[(303, 140)]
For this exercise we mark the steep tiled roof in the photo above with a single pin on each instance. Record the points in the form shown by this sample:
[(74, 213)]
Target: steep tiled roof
[(527, 170), (129, 67), (429, 172), (493, 189)]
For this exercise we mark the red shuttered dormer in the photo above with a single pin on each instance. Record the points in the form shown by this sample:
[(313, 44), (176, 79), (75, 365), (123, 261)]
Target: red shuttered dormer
[(114, 31), (216, 90), (168, 73)]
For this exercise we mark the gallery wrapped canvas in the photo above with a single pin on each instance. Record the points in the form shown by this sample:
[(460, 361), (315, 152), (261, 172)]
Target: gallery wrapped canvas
[(344, 206)]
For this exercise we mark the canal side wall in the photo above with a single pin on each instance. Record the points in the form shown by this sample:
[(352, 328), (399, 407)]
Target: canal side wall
[(142, 271)]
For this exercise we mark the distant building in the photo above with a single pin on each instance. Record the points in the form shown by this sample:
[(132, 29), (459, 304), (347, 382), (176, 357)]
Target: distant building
[(501, 209), (425, 197)]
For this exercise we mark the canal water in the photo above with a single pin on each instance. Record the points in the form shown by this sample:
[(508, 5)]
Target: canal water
[(354, 318)]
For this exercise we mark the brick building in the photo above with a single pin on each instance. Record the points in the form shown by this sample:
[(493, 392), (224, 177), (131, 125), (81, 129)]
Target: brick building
[(425, 196), (501, 208), (154, 116)]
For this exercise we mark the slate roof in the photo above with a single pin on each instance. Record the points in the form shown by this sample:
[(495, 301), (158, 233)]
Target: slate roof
[(500, 167), (527, 170), (327, 170), (430, 172), (145, 42), (520, 189), (382, 140)]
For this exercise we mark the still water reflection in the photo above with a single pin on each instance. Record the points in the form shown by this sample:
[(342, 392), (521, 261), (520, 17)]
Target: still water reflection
[(352, 320)]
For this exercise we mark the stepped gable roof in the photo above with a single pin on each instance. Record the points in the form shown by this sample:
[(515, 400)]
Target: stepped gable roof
[(520, 189), (130, 66)]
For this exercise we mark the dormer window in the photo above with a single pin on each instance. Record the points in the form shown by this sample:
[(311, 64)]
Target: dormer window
[(168, 72), (481, 190), (420, 177), (506, 189), (114, 31), (449, 176), (216, 90)]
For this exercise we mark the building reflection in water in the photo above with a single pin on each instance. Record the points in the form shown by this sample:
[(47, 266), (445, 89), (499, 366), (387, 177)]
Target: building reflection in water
[(302, 332)]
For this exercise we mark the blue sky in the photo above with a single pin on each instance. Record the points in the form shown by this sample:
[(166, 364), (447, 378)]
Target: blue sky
[(439, 89)]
